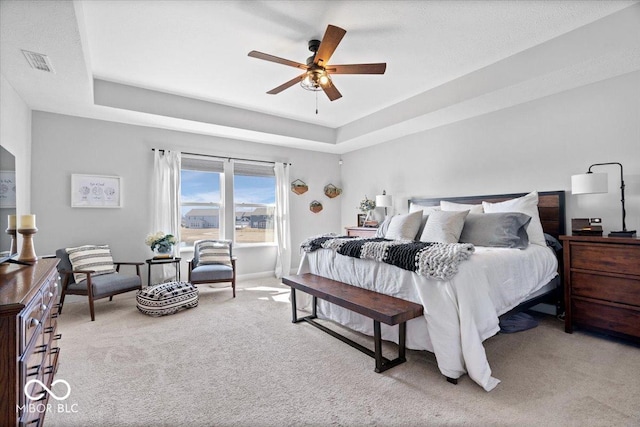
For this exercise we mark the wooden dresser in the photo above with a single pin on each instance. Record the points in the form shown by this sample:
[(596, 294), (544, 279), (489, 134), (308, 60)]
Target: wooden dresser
[(28, 340), (361, 231), (602, 284)]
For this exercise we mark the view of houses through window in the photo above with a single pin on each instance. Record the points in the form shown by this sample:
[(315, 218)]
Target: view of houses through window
[(253, 203)]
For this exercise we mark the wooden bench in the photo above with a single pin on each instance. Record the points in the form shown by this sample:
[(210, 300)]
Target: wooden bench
[(379, 307)]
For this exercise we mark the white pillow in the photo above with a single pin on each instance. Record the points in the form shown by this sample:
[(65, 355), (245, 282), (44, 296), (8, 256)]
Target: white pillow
[(214, 253), (96, 258), (444, 226), (426, 210), (404, 227), (526, 204), (451, 206)]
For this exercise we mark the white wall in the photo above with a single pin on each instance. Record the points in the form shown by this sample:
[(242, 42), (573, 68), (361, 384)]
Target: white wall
[(64, 145), (15, 137), (533, 146)]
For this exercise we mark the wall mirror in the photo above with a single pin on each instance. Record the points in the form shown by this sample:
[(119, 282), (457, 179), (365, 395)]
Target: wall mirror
[(7, 200)]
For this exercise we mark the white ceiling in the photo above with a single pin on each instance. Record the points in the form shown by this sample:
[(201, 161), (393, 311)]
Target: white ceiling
[(446, 61)]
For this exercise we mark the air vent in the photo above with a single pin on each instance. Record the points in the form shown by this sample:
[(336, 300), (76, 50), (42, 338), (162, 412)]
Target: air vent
[(38, 61)]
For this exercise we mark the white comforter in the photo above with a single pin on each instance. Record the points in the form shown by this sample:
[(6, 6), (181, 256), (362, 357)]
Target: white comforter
[(459, 314)]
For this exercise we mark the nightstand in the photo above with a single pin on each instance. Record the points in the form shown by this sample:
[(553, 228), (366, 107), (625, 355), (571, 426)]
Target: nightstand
[(602, 284), (361, 231)]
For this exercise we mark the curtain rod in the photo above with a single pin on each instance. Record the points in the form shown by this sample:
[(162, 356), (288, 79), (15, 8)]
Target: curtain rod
[(223, 158)]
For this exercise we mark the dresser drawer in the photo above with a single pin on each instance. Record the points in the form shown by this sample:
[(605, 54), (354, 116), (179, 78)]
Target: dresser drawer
[(606, 317), (610, 288), (610, 258), (50, 291), (31, 321)]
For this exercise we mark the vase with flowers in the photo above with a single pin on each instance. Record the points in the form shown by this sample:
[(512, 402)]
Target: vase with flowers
[(161, 244), (367, 206)]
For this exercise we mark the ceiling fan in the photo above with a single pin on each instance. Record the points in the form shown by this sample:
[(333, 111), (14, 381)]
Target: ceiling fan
[(317, 74)]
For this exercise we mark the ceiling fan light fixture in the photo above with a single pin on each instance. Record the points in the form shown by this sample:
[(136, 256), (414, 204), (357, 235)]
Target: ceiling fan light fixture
[(315, 80)]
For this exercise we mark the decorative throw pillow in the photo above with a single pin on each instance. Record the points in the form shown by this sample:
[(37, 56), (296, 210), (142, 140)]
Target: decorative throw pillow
[(382, 228), (96, 258), (444, 226), (404, 227), (451, 206), (526, 204), (426, 210), (214, 253), (498, 230)]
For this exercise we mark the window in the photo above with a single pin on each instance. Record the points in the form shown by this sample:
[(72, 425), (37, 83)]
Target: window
[(200, 182), (248, 202), (254, 194)]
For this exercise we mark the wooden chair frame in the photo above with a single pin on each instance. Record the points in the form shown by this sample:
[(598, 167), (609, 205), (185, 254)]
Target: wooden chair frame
[(89, 290)]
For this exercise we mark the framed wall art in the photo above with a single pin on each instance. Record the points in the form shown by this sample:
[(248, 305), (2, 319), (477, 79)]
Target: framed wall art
[(96, 191), (7, 189)]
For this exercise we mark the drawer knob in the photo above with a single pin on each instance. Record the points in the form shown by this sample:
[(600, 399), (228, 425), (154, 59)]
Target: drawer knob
[(34, 322), (43, 307), (50, 294)]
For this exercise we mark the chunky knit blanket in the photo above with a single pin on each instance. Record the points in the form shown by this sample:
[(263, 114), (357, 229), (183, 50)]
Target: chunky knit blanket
[(433, 260)]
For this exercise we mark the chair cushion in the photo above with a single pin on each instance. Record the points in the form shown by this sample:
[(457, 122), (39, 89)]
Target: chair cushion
[(214, 253), (211, 272), (167, 298), (91, 257), (108, 284)]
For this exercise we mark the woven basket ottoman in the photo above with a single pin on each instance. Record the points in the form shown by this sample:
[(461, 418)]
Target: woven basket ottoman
[(167, 298)]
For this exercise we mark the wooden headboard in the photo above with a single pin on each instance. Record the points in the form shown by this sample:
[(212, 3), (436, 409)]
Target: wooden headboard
[(551, 206)]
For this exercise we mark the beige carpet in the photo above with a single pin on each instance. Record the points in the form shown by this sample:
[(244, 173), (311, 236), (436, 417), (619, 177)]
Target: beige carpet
[(241, 362)]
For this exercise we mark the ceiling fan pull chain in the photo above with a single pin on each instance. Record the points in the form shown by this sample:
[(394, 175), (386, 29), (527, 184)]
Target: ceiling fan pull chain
[(316, 102)]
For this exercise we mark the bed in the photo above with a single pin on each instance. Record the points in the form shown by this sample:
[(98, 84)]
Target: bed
[(461, 311)]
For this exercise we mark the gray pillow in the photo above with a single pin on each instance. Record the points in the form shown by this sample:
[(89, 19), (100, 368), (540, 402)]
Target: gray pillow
[(404, 227), (497, 230), (444, 226)]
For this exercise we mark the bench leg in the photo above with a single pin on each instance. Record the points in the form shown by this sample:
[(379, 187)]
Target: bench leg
[(377, 339), (294, 309), (382, 363)]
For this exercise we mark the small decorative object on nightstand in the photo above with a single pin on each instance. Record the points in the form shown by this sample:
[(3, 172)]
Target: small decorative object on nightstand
[(602, 284), (361, 231)]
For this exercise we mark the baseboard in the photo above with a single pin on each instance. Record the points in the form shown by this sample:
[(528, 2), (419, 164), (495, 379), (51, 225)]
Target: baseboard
[(252, 276)]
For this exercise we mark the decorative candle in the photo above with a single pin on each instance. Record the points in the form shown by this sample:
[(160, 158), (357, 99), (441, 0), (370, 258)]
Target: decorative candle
[(27, 221), (12, 222)]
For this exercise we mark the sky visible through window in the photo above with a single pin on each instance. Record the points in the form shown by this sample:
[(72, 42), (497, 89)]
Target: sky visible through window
[(198, 186)]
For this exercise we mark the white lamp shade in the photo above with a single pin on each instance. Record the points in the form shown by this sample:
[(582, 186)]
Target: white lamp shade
[(384, 200), (588, 183)]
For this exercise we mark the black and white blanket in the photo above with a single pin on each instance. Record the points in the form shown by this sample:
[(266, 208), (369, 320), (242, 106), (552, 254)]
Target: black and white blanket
[(433, 260)]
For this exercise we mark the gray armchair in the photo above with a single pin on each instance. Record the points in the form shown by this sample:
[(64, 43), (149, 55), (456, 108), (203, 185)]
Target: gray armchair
[(213, 262), (94, 285)]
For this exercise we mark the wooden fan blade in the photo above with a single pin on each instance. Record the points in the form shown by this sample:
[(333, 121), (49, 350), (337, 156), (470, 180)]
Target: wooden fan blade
[(277, 60), (332, 92), (287, 85), (378, 68), (328, 45)]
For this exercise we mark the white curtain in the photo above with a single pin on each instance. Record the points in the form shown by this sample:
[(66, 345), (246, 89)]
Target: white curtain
[(165, 207), (282, 220)]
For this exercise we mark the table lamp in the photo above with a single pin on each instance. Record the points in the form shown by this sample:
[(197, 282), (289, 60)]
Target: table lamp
[(591, 183), (384, 201)]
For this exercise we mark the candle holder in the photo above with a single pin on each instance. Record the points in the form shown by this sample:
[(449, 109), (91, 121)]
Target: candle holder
[(28, 254), (14, 242)]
